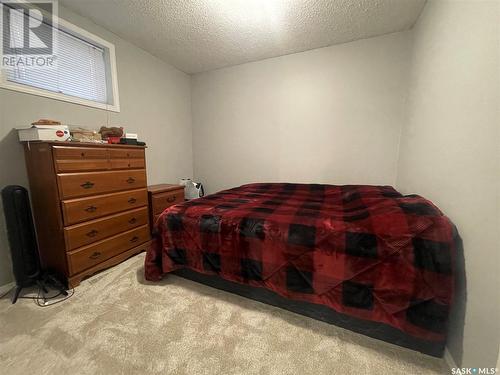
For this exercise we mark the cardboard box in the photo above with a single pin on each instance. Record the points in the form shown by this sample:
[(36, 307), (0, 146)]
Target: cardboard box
[(44, 133)]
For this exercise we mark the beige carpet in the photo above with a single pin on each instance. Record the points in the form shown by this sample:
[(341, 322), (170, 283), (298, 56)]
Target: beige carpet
[(116, 323)]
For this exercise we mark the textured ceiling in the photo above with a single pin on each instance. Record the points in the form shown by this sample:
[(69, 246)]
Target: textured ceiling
[(198, 35)]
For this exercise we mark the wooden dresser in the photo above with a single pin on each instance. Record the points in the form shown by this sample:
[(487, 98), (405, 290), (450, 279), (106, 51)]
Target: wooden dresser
[(162, 196), (89, 203)]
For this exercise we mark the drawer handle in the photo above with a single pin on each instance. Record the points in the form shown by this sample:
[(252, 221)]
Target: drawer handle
[(87, 185), (171, 199), (132, 200), (92, 233), (130, 180), (133, 220), (96, 255), (134, 239), (91, 209)]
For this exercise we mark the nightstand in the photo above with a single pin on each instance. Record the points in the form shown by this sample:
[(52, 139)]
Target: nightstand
[(162, 196)]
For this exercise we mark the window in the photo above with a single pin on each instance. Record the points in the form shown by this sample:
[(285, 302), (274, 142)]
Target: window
[(84, 73)]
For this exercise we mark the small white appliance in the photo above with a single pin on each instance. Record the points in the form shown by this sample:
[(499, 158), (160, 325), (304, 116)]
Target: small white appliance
[(44, 133), (131, 136), (192, 190)]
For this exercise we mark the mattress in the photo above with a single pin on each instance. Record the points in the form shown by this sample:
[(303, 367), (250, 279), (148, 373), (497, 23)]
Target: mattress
[(364, 252)]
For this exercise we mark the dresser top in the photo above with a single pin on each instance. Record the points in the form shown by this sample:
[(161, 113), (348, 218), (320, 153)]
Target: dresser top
[(84, 144), (160, 188)]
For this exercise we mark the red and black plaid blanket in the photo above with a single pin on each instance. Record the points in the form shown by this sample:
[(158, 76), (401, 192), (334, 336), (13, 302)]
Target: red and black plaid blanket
[(364, 251)]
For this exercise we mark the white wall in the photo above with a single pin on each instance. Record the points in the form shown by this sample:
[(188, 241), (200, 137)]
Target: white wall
[(450, 149), (330, 115), (155, 102)]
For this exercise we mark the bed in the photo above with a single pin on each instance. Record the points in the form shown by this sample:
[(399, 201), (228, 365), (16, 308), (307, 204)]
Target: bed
[(362, 257)]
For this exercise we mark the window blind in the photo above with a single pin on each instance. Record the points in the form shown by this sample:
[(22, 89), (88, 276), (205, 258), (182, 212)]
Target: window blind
[(80, 70)]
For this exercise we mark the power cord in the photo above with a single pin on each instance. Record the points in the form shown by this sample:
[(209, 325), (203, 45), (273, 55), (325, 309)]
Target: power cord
[(40, 296), (46, 299)]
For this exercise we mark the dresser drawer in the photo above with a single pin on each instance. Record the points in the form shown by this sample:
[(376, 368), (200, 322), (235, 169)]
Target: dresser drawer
[(83, 184), (88, 256), (163, 200), (127, 163), (61, 153), (86, 233), (82, 209), (74, 165), (126, 153)]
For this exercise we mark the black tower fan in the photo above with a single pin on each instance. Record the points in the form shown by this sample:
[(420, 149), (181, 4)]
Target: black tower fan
[(22, 241)]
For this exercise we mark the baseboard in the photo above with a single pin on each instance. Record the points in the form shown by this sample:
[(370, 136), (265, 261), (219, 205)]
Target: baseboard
[(5, 288), (449, 359)]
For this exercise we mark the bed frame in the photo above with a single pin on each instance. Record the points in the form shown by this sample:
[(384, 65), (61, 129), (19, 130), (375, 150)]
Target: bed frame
[(376, 330)]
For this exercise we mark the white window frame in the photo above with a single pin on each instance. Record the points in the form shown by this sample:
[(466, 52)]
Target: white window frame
[(112, 77)]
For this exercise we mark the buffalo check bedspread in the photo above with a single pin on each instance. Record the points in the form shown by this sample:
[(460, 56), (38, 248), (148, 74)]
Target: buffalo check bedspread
[(365, 251)]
